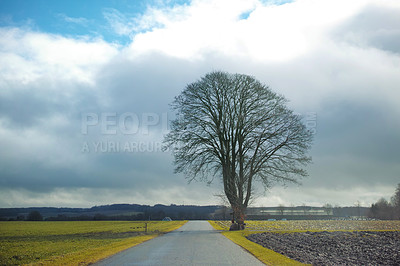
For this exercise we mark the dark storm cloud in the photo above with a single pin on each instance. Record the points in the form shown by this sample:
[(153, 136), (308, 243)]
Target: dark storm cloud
[(374, 26), (33, 105), (24, 109), (147, 83), (105, 170), (360, 129), (139, 170), (40, 178), (356, 145)]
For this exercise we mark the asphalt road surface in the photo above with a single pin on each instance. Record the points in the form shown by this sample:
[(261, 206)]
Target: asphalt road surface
[(195, 243)]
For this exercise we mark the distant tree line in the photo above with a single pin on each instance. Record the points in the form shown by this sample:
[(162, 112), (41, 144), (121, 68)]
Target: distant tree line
[(127, 212), (385, 210), (382, 209)]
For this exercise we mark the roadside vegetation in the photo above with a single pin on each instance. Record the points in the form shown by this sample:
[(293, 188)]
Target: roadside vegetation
[(271, 257), (73, 243)]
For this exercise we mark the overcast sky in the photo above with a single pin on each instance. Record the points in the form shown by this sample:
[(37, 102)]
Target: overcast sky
[(85, 89)]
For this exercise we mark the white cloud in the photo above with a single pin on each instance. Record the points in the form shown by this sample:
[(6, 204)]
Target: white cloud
[(270, 33), (121, 24), (75, 20), (27, 56)]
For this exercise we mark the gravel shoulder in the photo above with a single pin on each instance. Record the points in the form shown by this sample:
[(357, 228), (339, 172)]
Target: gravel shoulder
[(335, 248)]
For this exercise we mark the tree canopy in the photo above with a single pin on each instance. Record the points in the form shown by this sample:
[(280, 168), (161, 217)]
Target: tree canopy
[(35, 216), (234, 127)]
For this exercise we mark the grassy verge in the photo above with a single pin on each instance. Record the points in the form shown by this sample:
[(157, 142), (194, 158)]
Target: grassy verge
[(72, 243), (265, 255), (92, 255)]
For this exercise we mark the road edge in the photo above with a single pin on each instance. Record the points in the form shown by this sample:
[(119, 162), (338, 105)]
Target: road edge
[(265, 255)]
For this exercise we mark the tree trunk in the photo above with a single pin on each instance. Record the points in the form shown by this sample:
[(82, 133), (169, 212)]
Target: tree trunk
[(239, 215)]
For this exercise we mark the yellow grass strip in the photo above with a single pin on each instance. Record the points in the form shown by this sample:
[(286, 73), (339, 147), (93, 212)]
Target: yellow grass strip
[(92, 255), (218, 225), (265, 255)]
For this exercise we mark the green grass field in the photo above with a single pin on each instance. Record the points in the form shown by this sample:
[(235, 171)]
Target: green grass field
[(270, 257), (72, 243)]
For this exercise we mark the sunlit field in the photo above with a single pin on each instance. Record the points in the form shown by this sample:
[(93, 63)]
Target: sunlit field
[(73, 243)]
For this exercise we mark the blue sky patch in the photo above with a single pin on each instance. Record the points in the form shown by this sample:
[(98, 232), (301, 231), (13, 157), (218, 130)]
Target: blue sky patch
[(74, 18)]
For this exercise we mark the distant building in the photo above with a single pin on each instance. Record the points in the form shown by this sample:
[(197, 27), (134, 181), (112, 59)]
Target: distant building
[(294, 212)]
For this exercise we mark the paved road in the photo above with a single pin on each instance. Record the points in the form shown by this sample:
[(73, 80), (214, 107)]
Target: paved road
[(195, 243)]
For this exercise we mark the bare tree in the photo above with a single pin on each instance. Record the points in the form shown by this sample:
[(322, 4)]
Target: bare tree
[(328, 208), (396, 202), (34, 216), (382, 209), (305, 208), (234, 127), (292, 208), (281, 209), (358, 206)]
